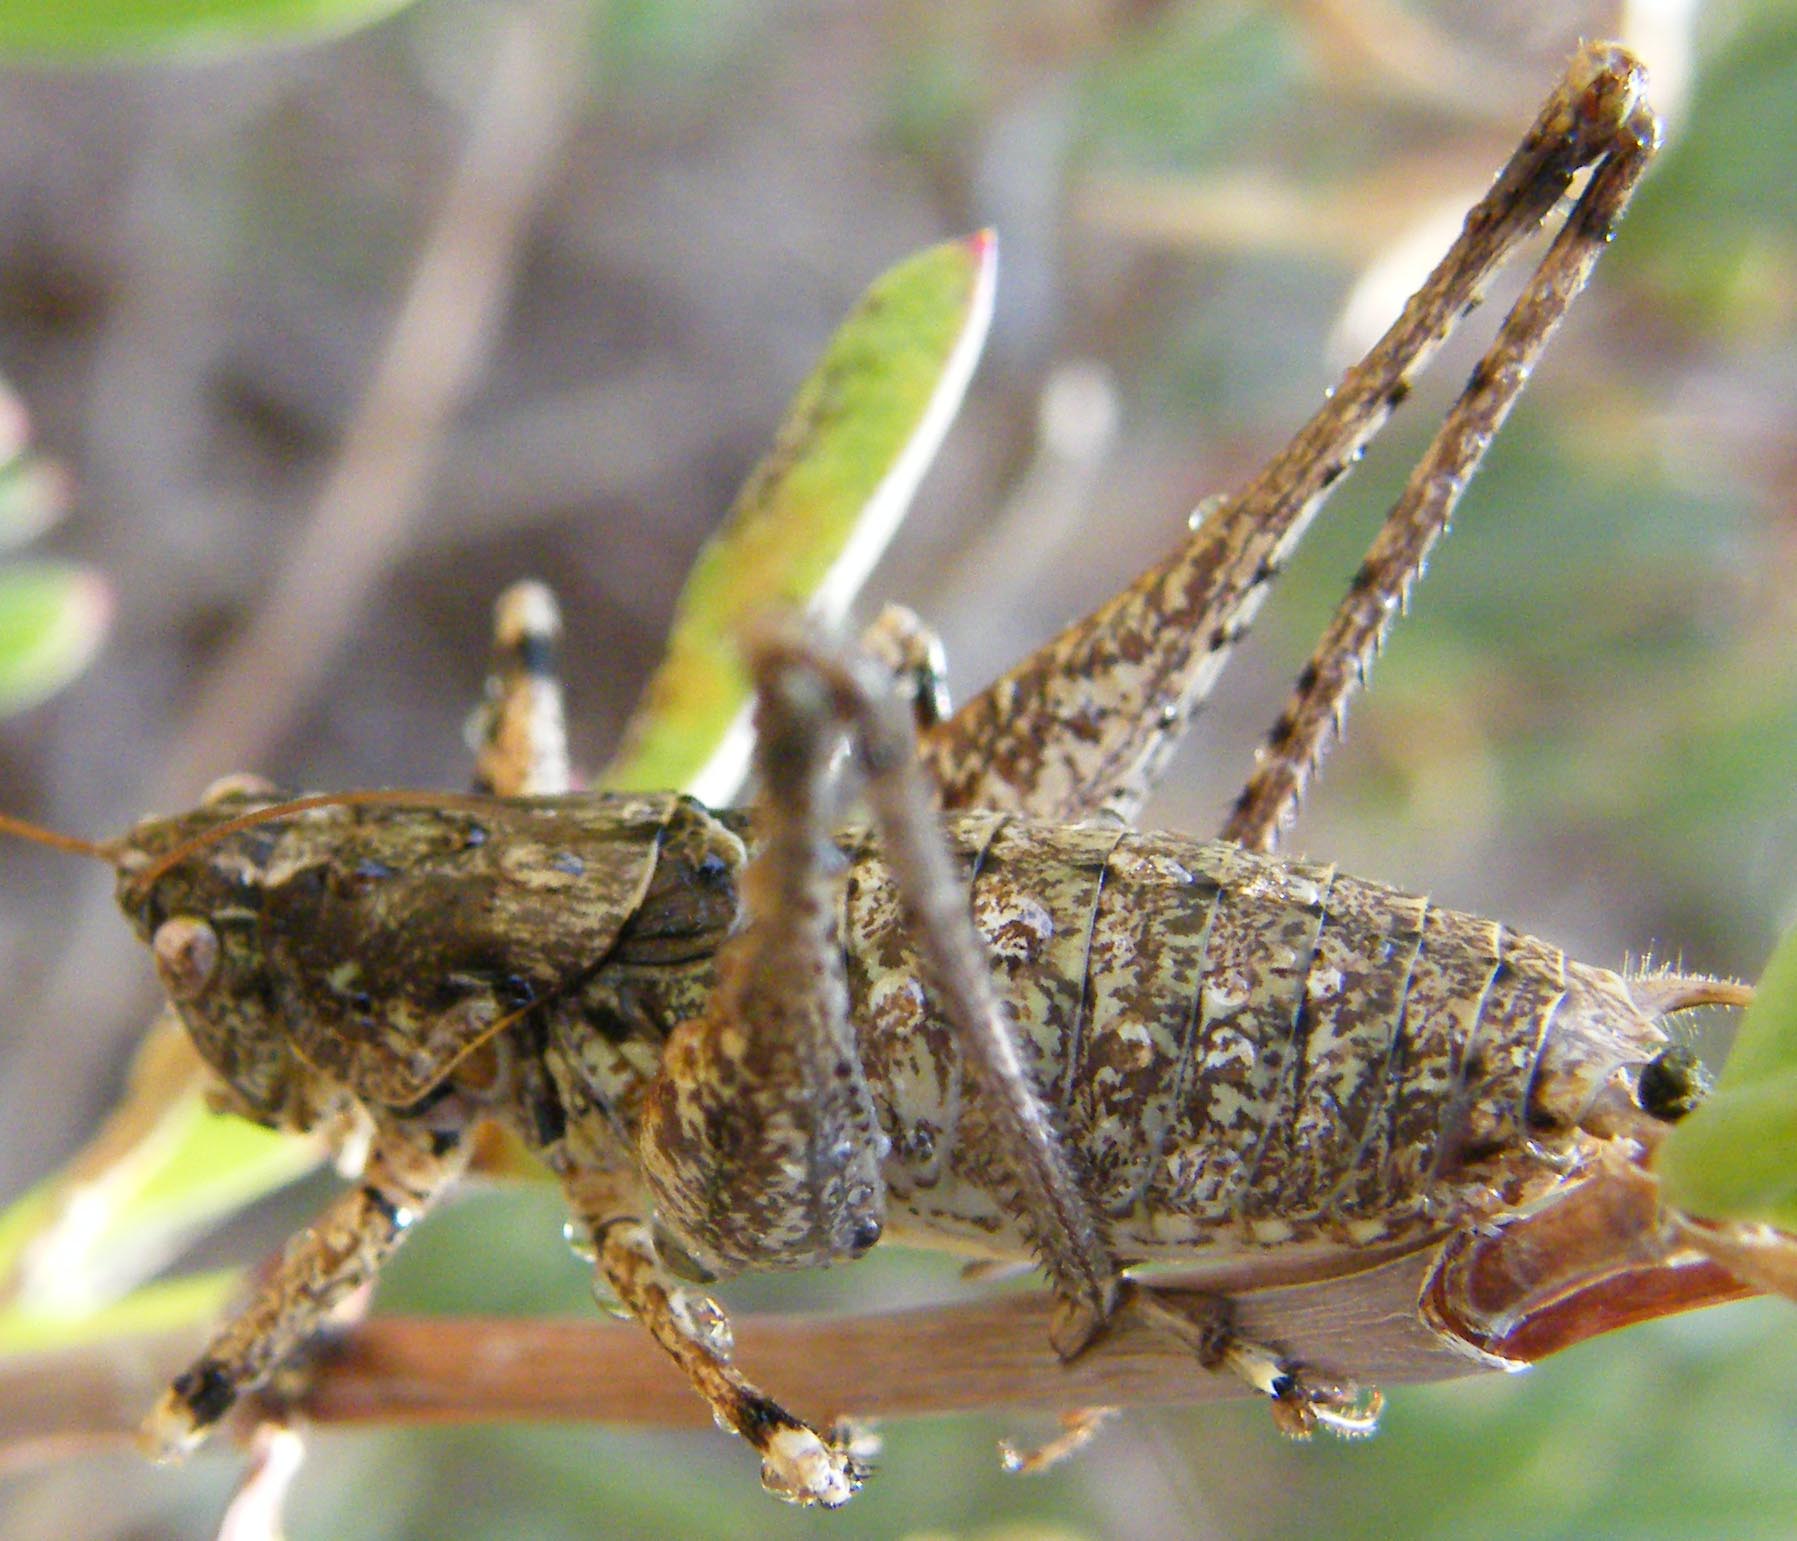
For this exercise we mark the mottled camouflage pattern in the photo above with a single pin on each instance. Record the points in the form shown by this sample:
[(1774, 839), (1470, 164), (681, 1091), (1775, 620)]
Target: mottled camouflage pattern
[(1144, 1049), (1241, 1051), (379, 946)]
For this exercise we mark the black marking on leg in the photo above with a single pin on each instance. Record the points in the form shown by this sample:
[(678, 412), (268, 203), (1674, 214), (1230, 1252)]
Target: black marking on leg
[(395, 1218), (534, 654), (758, 1418), (1227, 635), (207, 1391)]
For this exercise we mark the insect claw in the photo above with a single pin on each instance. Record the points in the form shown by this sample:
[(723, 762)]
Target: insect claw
[(1355, 1416), (1077, 1431), (1300, 1409), (859, 1438), (1293, 1413), (171, 1433), (1301, 1406), (801, 1468)]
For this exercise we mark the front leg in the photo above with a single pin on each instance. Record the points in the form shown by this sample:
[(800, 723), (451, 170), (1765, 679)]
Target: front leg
[(408, 1169), (798, 1463)]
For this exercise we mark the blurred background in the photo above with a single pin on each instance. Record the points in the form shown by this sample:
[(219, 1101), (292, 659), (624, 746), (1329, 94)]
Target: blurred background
[(619, 231)]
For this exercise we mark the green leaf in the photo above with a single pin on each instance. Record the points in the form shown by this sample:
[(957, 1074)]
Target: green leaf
[(77, 29), (73, 1249), (154, 1309), (52, 616), (161, 1169), (815, 515), (33, 495), (1735, 1157)]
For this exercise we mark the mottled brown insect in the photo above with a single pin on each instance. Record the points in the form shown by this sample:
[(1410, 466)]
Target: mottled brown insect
[(1022, 1029)]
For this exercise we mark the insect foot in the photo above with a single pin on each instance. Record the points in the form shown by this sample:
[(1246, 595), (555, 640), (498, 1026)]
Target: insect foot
[(1300, 1399), (1300, 1404), (800, 1467), (322, 1267), (798, 1463)]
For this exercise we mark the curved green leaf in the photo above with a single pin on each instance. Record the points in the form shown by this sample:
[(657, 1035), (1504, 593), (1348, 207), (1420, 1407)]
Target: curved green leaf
[(815, 515), (95, 29), (52, 616), (161, 1170)]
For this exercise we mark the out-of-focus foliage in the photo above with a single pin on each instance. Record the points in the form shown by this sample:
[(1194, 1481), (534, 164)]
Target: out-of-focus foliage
[(132, 29), (52, 614), (1587, 727), (1731, 272), (1735, 1158), (162, 1170)]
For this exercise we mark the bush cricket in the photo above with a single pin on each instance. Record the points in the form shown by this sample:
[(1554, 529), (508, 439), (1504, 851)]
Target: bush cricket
[(996, 1017)]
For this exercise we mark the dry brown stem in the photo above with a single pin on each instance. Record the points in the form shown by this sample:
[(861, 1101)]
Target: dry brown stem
[(984, 1353)]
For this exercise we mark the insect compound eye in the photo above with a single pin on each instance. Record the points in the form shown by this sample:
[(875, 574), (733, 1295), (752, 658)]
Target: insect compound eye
[(186, 952), (239, 785), (1672, 1083)]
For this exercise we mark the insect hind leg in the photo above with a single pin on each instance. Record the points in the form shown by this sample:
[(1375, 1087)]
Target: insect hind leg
[(1087, 723), (1381, 587)]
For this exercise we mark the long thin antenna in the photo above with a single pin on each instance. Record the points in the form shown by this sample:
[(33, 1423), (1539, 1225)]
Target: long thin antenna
[(58, 842)]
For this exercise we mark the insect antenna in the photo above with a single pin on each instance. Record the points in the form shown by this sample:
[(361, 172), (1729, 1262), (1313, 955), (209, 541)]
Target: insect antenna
[(108, 852)]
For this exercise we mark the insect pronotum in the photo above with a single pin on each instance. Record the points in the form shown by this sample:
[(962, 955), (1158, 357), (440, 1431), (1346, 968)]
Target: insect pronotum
[(1020, 1028)]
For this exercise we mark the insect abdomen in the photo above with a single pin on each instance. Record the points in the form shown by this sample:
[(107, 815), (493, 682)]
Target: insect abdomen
[(1227, 1040)]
